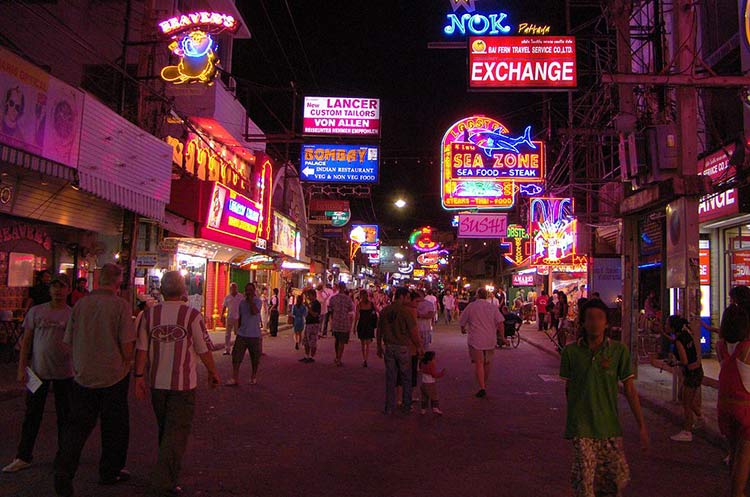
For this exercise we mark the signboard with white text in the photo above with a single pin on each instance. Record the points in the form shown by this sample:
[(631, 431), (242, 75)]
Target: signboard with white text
[(340, 163), (341, 116), (721, 203)]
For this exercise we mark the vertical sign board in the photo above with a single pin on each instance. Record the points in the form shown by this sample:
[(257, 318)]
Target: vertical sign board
[(553, 230), (341, 116), (482, 225), (483, 165), (340, 163), (724, 202), (522, 62)]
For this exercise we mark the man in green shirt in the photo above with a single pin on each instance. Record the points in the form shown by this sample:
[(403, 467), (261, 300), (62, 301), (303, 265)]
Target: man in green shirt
[(592, 368)]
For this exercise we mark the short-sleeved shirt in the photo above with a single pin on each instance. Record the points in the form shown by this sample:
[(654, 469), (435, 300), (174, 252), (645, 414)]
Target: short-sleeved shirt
[(98, 328), (174, 335), (324, 296), (688, 342), (249, 322), (541, 304), (395, 324), (50, 359), (341, 305), (481, 318), (592, 388), (314, 307), (232, 303), (449, 302), (425, 307)]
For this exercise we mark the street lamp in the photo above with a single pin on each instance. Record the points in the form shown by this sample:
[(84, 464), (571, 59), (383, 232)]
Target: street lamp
[(400, 203)]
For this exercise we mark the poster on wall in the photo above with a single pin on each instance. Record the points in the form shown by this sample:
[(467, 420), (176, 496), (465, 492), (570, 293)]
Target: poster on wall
[(606, 278), (341, 116), (40, 114), (284, 235)]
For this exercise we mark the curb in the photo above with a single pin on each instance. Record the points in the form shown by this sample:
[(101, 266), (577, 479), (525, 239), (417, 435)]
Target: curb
[(710, 435)]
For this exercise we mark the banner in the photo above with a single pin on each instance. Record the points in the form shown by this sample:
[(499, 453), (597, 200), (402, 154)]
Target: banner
[(482, 225), (526, 62), (342, 116), (40, 114), (233, 214), (340, 163)]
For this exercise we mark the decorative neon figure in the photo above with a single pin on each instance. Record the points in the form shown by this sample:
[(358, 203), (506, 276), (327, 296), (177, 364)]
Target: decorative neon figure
[(421, 240), (197, 53)]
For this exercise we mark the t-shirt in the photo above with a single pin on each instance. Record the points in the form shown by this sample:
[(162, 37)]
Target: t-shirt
[(541, 304), (98, 327), (323, 296), (432, 299), (341, 305), (687, 341), (173, 334), (449, 302), (395, 324), (50, 359), (592, 388), (232, 303), (482, 319), (425, 307), (299, 312), (273, 303), (315, 308), (249, 322)]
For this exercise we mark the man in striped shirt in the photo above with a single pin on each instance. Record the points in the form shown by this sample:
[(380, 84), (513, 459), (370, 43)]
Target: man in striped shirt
[(171, 338)]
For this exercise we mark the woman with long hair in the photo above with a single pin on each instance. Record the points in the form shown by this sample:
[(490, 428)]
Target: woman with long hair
[(366, 320), (689, 359)]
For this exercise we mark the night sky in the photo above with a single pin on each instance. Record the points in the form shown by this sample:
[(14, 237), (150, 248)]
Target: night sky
[(379, 49)]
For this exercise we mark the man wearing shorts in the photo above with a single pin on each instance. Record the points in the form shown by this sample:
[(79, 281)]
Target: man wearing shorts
[(232, 308), (248, 336), (341, 306), (482, 321), (312, 327), (591, 368)]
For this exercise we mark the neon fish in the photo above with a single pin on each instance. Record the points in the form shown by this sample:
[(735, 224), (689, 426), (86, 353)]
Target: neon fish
[(490, 141)]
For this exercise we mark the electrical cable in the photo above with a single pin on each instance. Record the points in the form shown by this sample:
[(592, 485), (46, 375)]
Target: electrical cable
[(302, 46), (278, 40)]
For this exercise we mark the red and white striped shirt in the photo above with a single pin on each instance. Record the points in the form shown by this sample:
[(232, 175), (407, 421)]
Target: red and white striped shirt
[(173, 334)]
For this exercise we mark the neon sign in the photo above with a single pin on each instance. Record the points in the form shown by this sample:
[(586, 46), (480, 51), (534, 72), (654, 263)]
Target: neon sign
[(199, 156), (516, 244), (194, 46), (483, 165), (421, 240), (477, 24), (233, 214), (365, 234), (553, 232)]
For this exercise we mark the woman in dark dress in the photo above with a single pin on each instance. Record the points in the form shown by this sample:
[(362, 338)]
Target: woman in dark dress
[(366, 322)]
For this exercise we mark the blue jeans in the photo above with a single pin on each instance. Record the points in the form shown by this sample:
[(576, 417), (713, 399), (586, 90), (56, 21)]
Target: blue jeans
[(397, 360)]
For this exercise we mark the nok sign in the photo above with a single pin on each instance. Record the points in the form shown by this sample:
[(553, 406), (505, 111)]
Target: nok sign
[(489, 225)]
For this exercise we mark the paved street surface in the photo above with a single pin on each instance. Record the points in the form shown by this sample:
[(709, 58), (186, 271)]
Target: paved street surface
[(318, 430)]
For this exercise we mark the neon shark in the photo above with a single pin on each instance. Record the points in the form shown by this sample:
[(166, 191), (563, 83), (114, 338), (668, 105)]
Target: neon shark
[(490, 141)]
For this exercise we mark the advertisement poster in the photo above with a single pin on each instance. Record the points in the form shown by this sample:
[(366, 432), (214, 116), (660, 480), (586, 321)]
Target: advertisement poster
[(606, 278), (284, 235), (721, 203), (233, 214), (484, 165), (741, 268), (482, 225), (526, 62), (340, 163), (341, 116), (39, 113), (365, 234), (704, 255)]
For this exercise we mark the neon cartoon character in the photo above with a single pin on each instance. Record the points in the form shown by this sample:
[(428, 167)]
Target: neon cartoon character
[(198, 60)]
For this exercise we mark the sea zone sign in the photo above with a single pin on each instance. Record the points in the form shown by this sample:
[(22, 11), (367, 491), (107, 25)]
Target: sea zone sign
[(342, 116), (483, 165), (527, 62)]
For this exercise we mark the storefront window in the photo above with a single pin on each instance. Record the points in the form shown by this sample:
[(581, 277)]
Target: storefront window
[(737, 241), (194, 270)]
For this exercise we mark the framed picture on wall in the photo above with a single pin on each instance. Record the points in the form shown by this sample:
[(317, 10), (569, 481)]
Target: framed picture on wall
[(21, 269)]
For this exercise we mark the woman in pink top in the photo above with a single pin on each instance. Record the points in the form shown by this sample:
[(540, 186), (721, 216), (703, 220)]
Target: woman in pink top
[(734, 398)]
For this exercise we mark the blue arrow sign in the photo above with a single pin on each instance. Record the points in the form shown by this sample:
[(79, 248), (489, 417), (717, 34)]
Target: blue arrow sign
[(340, 163)]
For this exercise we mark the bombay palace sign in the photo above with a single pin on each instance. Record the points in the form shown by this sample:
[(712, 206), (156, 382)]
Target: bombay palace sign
[(484, 165), (192, 42)]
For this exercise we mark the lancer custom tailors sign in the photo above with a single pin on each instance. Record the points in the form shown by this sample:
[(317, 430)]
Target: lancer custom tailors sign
[(339, 163), (529, 62), (484, 164), (342, 116)]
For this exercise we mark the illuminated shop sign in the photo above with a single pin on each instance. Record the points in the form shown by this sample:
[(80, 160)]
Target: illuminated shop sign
[(341, 116), (482, 225), (193, 43), (284, 235), (329, 212), (365, 234), (483, 165), (405, 267), (339, 163), (421, 240), (553, 231), (471, 22), (516, 245), (524, 280), (430, 258), (723, 202), (528, 62), (704, 255), (209, 161), (233, 214)]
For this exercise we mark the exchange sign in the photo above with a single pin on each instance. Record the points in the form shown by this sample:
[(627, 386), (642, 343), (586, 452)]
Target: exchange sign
[(342, 116), (528, 62), (483, 165), (340, 163)]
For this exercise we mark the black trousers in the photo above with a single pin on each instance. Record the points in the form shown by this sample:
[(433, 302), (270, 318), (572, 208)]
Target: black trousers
[(110, 405), (174, 412), (542, 321), (32, 420), (273, 323)]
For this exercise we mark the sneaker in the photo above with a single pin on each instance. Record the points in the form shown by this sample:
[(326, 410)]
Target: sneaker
[(121, 476), (437, 411), (253, 381), (683, 436), (481, 394), (16, 465), (226, 352), (304, 359), (423, 411)]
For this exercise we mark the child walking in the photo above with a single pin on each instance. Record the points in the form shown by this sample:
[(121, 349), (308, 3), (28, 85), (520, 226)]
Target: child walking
[(429, 380)]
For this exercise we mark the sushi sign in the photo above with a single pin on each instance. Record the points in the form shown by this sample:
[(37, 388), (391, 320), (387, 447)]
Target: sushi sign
[(484, 165)]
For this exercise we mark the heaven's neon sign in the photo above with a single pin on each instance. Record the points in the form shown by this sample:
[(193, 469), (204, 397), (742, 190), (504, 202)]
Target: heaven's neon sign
[(198, 20)]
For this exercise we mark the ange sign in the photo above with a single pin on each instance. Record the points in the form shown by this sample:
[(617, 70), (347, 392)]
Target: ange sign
[(341, 116), (525, 62), (340, 163), (482, 225)]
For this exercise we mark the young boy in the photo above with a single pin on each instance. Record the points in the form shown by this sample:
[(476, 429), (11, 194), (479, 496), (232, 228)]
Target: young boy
[(592, 367)]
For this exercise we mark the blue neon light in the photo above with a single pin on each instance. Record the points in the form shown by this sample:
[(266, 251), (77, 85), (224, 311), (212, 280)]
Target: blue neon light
[(650, 266), (477, 24)]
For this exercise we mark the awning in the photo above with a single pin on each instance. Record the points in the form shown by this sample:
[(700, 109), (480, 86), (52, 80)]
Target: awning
[(20, 158), (122, 196)]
